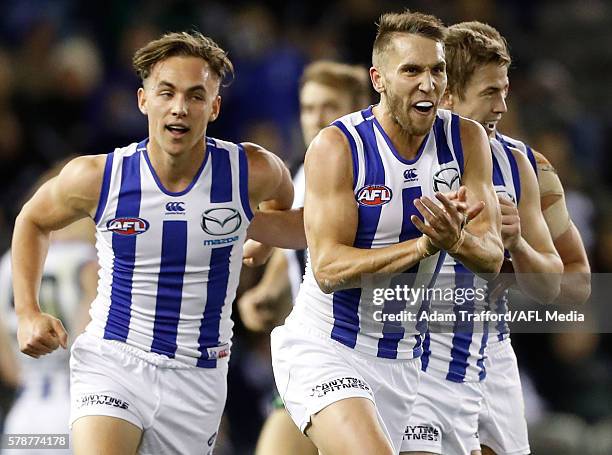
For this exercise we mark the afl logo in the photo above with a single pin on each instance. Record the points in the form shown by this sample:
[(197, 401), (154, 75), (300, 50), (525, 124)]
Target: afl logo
[(128, 226), (374, 195), (221, 221), (446, 180)]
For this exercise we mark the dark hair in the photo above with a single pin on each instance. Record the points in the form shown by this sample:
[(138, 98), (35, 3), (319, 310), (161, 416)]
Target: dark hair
[(191, 44)]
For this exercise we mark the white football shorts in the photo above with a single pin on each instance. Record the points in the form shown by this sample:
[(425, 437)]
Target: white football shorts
[(178, 406)]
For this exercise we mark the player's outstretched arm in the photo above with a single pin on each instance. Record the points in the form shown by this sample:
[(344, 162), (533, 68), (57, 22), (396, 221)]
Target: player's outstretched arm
[(330, 219), (480, 249), (271, 191), (576, 281), (72, 195), (525, 235)]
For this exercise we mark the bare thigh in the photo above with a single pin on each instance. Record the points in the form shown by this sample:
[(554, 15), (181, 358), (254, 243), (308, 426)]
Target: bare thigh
[(104, 435), (280, 436), (349, 427)]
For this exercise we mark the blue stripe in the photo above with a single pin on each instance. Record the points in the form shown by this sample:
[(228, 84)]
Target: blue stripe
[(243, 170), (393, 332), (124, 250), (501, 308), (216, 291), (426, 352), (516, 178), (46, 387), (106, 178), (346, 302), (532, 160), (456, 138), (443, 151), (369, 216), (422, 325), (353, 147), (498, 176), (483, 344), (462, 330), (409, 231), (170, 287), (221, 186)]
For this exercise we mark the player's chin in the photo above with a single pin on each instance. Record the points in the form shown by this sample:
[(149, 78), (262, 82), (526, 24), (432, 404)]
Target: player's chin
[(421, 124)]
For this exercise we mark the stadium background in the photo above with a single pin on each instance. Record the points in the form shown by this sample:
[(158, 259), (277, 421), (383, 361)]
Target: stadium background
[(66, 87)]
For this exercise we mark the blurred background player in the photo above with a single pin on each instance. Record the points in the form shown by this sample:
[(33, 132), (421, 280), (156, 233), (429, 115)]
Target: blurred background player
[(328, 91), (348, 381), (479, 92), (450, 391), (68, 287)]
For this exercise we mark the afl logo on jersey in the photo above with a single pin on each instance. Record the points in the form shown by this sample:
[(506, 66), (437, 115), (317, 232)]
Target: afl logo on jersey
[(446, 180), (374, 195), (221, 221), (128, 226)]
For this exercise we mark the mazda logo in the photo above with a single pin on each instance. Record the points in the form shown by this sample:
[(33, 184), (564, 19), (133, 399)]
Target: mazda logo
[(446, 180), (221, 221)]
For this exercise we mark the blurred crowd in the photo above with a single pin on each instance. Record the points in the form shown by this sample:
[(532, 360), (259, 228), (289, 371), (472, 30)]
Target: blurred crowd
[(67, 87)]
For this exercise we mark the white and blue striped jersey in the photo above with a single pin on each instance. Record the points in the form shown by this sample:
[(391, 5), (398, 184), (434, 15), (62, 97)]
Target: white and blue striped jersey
[(385, 185), (520, 146), (170, 262), (60, 296), (459, 356)]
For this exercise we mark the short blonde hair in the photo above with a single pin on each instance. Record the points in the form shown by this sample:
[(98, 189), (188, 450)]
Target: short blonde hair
[(352, 79)]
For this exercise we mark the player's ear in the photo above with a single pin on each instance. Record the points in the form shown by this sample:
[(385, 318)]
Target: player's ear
[(142, 100), (447, 100), (377, 79), (216, 108)]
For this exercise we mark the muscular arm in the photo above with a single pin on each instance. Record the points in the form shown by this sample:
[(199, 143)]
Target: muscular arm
[(284, 227), (270, 189), (481, 250), (70, 196), (576, 281), (330, 218), (534, 258)]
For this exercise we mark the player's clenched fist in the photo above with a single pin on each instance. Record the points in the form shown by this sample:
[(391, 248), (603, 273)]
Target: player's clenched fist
[(511, 223), (40, 333)]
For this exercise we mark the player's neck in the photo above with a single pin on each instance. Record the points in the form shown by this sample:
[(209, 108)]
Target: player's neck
[(406, 144), (176, 170)]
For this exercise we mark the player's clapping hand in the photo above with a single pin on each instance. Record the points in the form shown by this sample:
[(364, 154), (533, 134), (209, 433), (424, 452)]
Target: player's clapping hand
[(510, 223), (444, 225), (40, 333), (255, 254)]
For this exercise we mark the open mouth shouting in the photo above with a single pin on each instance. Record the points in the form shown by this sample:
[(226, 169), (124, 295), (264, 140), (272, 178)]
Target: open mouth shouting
[(177, 130), (424, 107)]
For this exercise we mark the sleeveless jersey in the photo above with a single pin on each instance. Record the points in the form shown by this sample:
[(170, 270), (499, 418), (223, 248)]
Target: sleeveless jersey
[(170, 262), (520, 146), (385, 185), (459, 356), (296, 259), (60, 296)]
